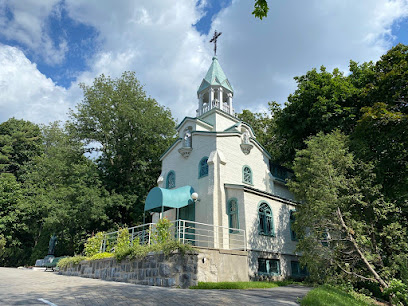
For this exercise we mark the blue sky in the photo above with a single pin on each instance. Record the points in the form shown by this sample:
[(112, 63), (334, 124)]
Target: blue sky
[(48, 47)]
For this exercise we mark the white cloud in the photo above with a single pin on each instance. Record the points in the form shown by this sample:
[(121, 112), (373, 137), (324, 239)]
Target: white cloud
[(28, 27), (262, 57), (27, 94)]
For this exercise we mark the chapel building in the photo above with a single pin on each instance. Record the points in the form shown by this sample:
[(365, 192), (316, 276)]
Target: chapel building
[(219, 179)]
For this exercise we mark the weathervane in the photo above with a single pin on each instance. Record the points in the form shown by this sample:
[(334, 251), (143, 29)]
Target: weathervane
[(214, 40)]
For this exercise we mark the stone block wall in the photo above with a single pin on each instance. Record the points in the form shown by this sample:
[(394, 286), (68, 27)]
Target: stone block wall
[(175, 270)]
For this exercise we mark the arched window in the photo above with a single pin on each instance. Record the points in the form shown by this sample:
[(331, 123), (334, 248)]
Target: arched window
[(265, 220), (233, 213), (171, 180), (203, 167), (247, 175), (291, 221)]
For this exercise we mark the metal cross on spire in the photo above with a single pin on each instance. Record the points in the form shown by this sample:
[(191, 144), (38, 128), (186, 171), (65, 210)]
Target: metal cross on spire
[(214, 40)]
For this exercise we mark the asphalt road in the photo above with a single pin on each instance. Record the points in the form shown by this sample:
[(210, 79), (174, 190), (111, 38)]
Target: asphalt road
[(29, 287)]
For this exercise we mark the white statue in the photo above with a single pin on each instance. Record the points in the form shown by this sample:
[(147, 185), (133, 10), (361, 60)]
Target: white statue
[(187, 139), (245, 138)]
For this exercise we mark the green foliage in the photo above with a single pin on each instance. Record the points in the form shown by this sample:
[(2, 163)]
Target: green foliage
[(172, 246), (122, 246), (2, 246), (398, 291), (340, 213), (75, 260), (260, 9), (329, 295), (100, 256), (118, 116), (236, 285), (12, 217), (20, 142), (322, 102), (65, 193), (93, 244), (162, 232)]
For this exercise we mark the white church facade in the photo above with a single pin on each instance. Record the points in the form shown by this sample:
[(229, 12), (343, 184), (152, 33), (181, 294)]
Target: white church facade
[(221, 181)]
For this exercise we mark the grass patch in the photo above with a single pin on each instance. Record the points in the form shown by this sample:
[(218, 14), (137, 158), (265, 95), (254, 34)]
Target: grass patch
[(329, 295), (241, 285)]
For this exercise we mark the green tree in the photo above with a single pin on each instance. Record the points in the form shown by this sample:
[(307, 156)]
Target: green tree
[(20, 142), (64, 194), (12, 226), (323, 101), (343, 214), (130, 131), (260, 9)]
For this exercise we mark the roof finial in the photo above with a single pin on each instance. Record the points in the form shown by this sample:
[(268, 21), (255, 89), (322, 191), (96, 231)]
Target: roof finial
[(214, 40)]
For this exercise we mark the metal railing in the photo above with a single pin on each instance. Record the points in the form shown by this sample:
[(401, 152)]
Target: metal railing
[(188, 232)]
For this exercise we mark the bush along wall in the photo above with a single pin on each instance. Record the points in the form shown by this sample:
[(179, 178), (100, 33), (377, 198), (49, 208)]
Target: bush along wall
[(155, 269), (166, 262)]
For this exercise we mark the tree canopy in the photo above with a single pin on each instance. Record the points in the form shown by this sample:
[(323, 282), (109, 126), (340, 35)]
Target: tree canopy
[(129, 131), (91, 174)]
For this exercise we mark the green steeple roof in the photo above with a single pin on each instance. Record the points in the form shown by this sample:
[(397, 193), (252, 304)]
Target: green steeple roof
[(215, 76)]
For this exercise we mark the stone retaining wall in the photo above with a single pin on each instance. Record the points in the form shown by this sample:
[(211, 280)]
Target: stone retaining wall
[(155, 270)]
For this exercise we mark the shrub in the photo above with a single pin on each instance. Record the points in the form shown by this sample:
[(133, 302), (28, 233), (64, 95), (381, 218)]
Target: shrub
[(65, 262), (122, 247), (100, 256), (163, 232), (93, 245), (2, 245), (398, 291)]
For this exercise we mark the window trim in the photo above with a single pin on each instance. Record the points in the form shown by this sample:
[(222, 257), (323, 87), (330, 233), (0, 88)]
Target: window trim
[(230, 214), (243, 175), (200, 166), (302, 271), (167, 179), (292, 232), (270, 273), (262, 231)]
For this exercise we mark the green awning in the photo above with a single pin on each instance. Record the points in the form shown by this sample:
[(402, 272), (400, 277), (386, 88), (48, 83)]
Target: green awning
[(161, 199)]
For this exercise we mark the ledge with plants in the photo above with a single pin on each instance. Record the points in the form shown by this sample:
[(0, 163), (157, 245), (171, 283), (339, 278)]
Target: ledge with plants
[(163, 242)]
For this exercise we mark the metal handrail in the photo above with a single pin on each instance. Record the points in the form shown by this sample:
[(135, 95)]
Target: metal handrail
[(192, 232)]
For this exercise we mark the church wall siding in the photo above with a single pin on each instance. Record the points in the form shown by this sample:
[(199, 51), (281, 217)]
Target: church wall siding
[(281, 242), (236, 159), (186, 170)]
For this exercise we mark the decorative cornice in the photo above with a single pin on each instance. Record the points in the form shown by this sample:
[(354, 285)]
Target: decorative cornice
[(261, 193)]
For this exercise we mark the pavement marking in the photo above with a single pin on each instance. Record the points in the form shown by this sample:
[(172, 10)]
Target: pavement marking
[(47, 302)]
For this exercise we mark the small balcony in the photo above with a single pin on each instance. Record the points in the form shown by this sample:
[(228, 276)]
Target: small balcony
[(215, 104)]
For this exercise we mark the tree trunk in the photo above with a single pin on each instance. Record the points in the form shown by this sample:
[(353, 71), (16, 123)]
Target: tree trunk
[(377, 277)]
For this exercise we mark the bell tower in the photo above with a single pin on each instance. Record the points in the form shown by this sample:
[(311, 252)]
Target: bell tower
[(215, 90)]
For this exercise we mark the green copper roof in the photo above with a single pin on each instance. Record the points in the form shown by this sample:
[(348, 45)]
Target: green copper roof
[(215, 76)]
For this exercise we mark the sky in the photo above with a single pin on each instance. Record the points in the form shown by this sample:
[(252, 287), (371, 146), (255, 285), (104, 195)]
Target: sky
[(49, 47)]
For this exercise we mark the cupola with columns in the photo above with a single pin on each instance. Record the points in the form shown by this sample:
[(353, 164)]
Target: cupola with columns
[(215, 91)]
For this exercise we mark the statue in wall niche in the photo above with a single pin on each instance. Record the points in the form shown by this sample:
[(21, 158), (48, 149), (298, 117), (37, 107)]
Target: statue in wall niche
[(245, 138), (52, 244), (187, 139)]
